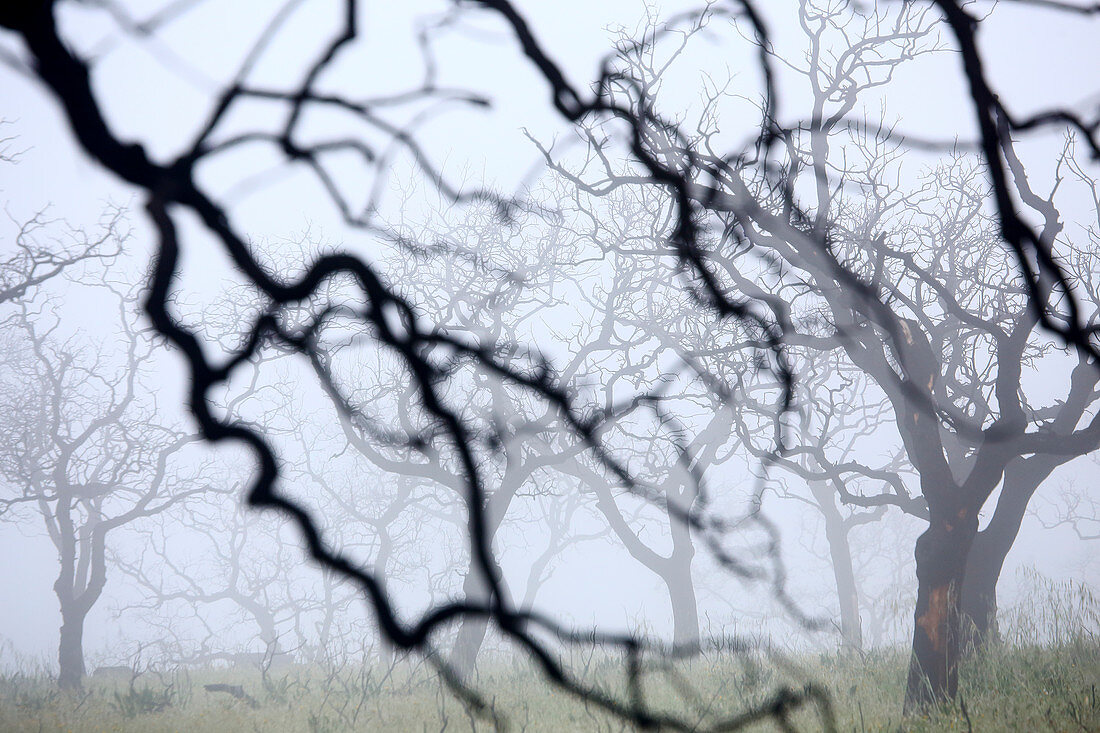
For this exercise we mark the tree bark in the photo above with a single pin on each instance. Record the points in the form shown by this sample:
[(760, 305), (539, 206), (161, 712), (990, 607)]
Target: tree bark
[(840, 553), (941, 554), (851, 628), (70, 654), (685, 613), (681, 588), (991, 547), (472, 631), (978, 603)]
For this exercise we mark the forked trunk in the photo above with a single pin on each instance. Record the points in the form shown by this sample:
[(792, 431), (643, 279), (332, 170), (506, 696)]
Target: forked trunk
[(991, 548)]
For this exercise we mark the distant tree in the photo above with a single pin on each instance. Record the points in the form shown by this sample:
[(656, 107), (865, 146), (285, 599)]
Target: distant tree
[(915, 288), (826, 466), (212, 565), (1073, 507), (44, 248), (84, 447)]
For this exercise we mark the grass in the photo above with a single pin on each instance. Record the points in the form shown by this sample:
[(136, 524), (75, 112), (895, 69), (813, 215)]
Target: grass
[(1027, 688)]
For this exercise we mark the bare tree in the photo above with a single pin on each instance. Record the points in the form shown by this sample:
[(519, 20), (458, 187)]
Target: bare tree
[(85, 449), (626, 342), (916, 289), (232, 561), (1074, 508), (829, 454), (746, 193), (572, 266), (45, 248)]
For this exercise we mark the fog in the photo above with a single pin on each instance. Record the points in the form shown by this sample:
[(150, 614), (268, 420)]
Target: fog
[(472, 343)]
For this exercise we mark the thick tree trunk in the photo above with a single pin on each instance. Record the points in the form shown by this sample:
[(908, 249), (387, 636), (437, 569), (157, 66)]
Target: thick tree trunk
[(681, 588), (685, 613), (941, 554), (471, 634), (978, 603), (991, 547), (79, 583), (675, 572), (70, 654)]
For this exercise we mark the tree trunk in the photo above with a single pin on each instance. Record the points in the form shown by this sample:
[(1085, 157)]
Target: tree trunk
[(676, 571), (840, 552), (979, 595), (941, 554), (681, 588), (991, 547), (70, 654), (851, 628), (471, 633), (685, 613)]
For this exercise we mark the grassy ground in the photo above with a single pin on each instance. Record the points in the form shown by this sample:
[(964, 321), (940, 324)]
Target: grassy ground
[(1021, 688)]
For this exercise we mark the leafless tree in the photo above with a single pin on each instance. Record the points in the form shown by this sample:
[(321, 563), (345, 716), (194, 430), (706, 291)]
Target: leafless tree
[(232, 561), (1072, 507), (746, 193), (84, 448), (828, 453), (45, 248), (916, 289)]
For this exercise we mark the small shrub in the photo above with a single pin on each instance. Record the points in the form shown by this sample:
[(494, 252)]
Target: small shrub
[(143, 701)]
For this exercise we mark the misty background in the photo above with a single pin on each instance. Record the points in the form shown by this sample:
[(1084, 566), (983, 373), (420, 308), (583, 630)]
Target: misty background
[(584, 281)]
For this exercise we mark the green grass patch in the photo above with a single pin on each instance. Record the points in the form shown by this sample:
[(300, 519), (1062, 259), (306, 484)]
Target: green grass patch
[(1027, 688)]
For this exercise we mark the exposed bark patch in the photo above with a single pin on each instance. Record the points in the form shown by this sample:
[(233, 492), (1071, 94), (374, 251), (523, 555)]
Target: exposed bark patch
[(934, 620)]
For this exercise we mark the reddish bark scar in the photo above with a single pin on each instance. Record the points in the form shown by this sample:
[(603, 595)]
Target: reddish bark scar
[(934, 619)]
